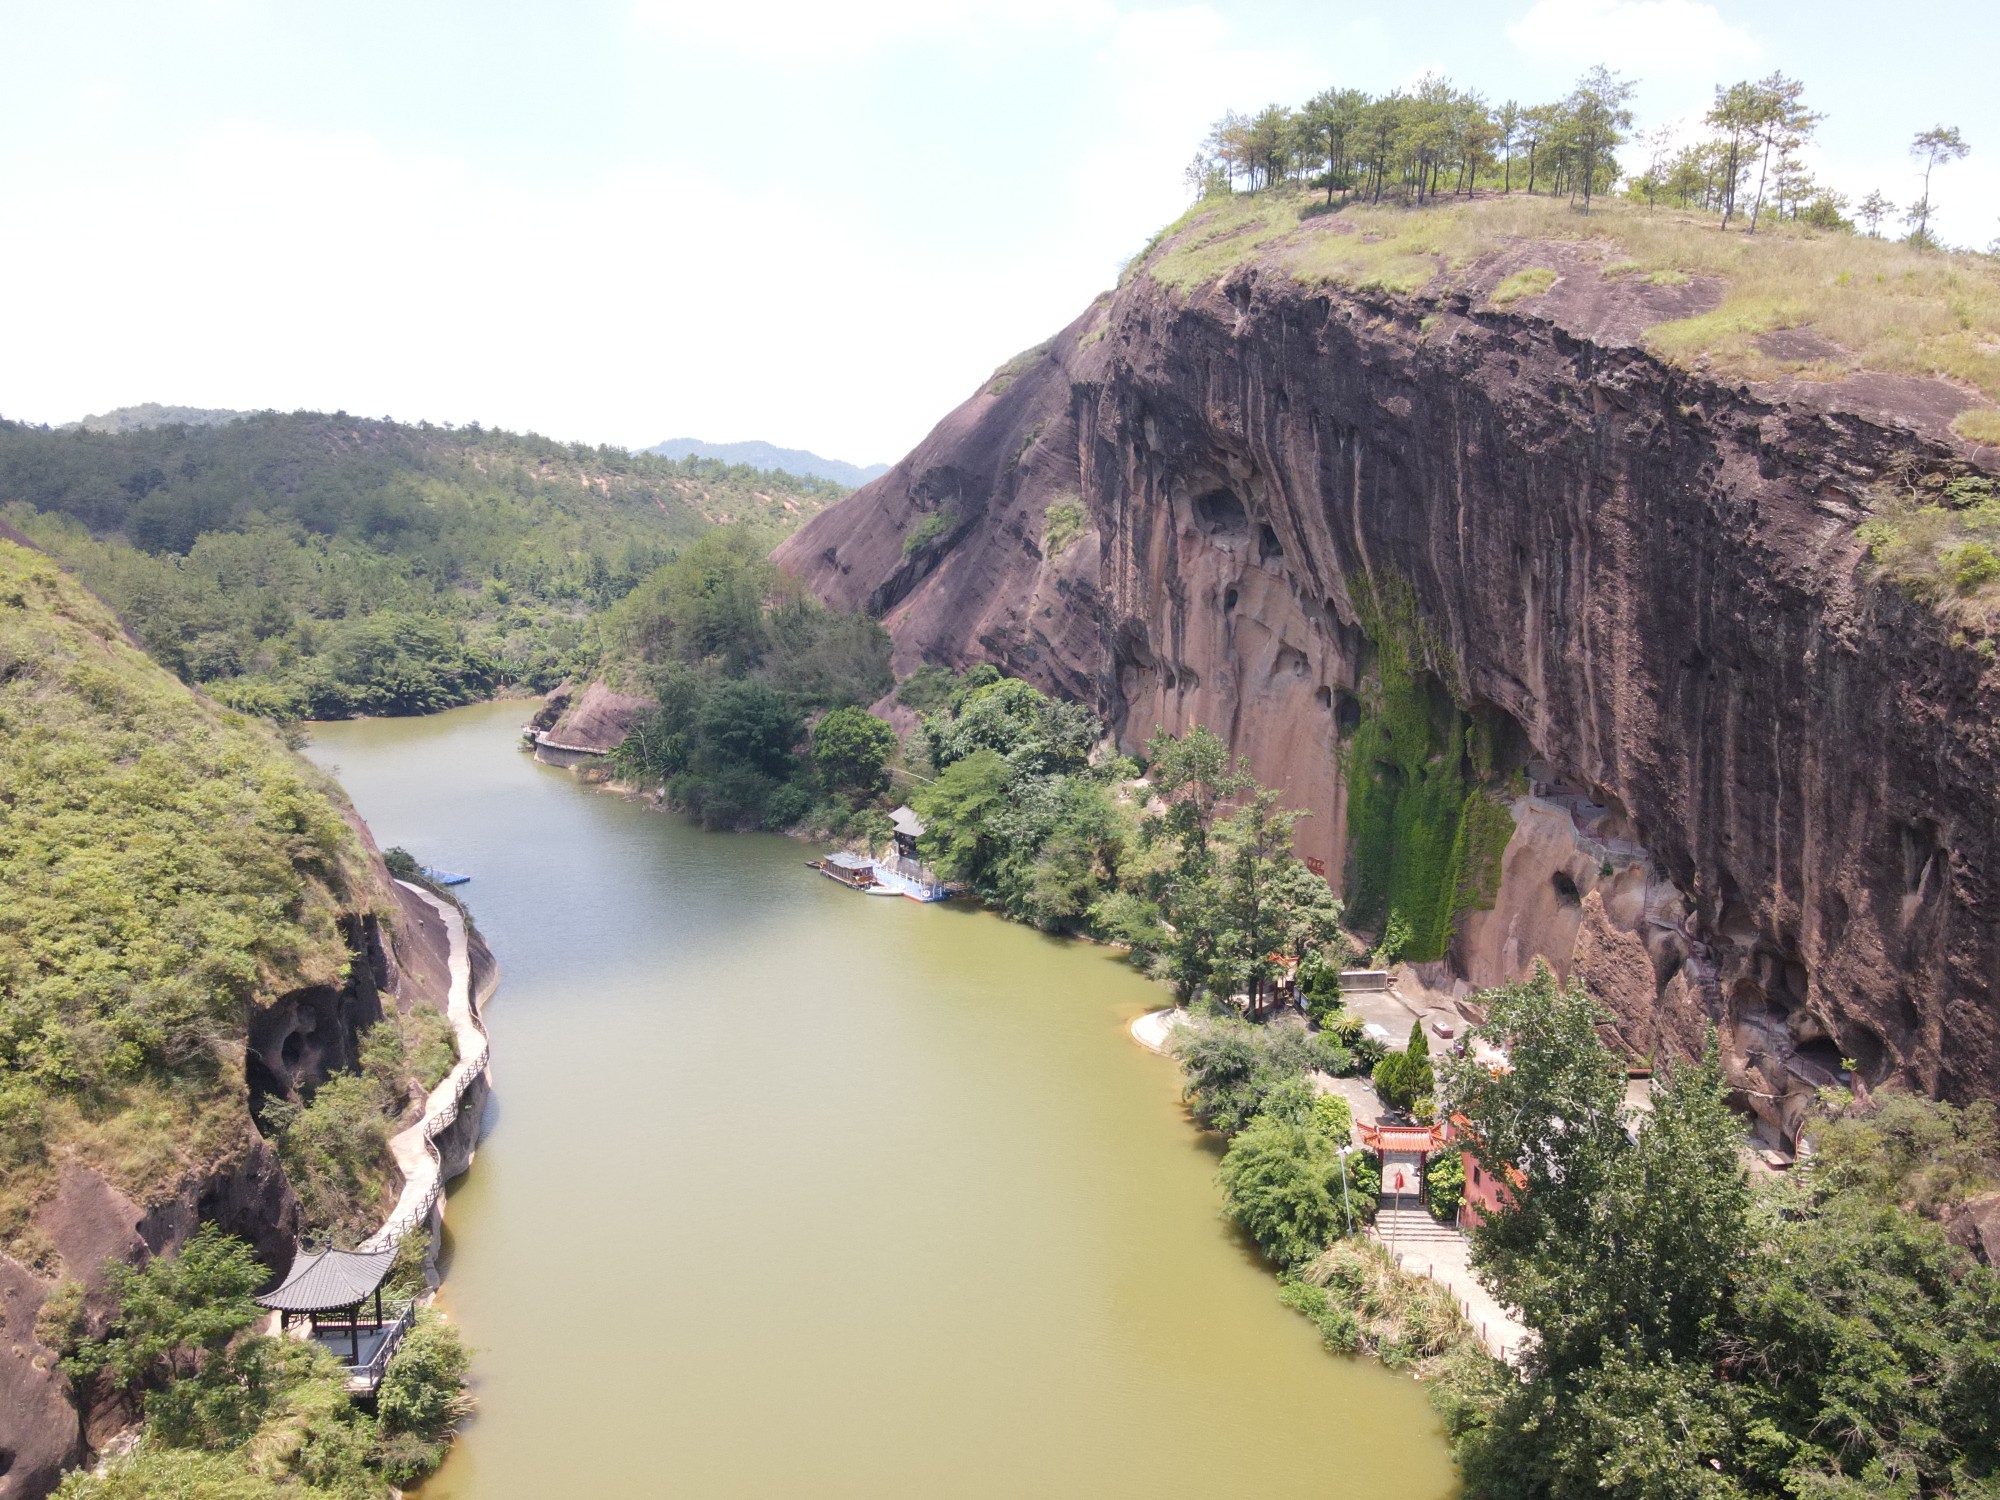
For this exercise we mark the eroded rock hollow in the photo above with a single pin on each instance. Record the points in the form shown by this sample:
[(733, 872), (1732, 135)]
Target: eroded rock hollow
[(1749, 784)]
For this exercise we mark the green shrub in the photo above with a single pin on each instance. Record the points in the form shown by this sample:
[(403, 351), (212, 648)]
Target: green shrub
[(430, 1045), (1063, 523), (929, 688), (1444, 1184), (1335, 1117), (1130, 918), (787, 806), (422, 1398), (852, 748), (401, 863), (1364, 1184), (1395, 938), (1406, 1080), (1275, 1178), (335, 1153), (1231, 1068), (1969, 564), (934, 525), (1338, 1328), (1319, 987)]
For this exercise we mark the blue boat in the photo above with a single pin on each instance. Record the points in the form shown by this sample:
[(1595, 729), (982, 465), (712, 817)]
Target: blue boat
[(442, 877)]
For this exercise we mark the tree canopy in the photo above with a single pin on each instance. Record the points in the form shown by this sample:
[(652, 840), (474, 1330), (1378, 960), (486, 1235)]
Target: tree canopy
[(1435, 139), (1692, 1337), (314, 565)]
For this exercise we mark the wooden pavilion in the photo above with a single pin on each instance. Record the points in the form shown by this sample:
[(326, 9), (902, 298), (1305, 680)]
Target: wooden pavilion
[(329, 1288)]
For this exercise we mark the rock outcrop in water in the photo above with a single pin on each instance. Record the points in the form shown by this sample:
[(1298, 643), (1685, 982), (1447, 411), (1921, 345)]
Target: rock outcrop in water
[(1749, 783)]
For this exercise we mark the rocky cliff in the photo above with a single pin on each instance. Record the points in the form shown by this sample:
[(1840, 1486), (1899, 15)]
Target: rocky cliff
[(1749, 782)]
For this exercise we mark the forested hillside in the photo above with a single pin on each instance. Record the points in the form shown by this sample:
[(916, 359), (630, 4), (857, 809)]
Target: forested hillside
[(308, 565), (166, 866), (197, 1041)]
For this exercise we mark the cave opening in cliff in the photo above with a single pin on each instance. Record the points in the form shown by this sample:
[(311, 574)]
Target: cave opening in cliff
[(1498, 746), (1269, 548), (1347, 715), (264, 1084), (1220, 513), (1565, 888)]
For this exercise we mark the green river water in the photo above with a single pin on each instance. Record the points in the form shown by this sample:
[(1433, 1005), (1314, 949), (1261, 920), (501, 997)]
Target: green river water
[(792, 1192)]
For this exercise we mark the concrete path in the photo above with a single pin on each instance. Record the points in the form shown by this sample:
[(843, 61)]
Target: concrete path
[(1424, 1247), (1153, 1030), (414, 1149)]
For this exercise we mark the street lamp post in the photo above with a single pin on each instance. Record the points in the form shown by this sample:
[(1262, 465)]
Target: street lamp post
[(1345, 1201)]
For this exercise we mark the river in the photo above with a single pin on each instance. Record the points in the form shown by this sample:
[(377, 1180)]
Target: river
[(790, 1193)]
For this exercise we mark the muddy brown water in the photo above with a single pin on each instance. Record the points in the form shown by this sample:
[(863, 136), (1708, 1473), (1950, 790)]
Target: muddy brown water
[(792, 1192)]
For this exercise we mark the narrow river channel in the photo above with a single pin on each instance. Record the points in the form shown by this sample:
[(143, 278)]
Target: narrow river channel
[(792, 1193)]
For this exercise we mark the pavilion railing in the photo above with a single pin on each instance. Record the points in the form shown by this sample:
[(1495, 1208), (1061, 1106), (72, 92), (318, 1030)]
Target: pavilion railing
[(371, 1373)]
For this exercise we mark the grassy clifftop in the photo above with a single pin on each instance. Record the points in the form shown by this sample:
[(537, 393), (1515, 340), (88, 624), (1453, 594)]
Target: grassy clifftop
[(167, 865), (1787, 301)]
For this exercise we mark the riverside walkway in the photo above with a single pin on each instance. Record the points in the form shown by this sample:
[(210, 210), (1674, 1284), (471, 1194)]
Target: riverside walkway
[(415, 1149)]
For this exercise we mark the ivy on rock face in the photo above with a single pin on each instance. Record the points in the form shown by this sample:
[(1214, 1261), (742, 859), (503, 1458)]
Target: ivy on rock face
[(1425, 826)]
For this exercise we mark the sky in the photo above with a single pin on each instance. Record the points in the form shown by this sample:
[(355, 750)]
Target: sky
[(815, 223)]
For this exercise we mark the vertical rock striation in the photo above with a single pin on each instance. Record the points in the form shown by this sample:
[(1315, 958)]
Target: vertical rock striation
[(1770, 777)]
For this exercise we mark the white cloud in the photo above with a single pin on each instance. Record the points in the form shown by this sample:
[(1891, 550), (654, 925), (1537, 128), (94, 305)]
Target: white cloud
[(820, 29), (293, 269), (1166, 75), (1632, 34)]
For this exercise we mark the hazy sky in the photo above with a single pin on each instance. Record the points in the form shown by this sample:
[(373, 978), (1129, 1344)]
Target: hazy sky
[(816, 223)]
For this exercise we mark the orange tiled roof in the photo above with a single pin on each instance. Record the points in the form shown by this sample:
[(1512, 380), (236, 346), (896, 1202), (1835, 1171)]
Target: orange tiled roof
[(1425, 1138)]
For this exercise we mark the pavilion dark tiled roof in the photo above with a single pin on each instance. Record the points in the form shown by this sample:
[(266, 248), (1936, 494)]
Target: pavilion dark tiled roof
[(330, 1279)]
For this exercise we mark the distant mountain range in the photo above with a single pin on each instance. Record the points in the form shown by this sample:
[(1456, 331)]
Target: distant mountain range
[(768, 456), (758, 455)]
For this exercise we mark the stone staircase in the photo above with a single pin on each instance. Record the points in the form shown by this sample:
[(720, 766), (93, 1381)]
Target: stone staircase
[(1424, 1247), (1408, 1224)]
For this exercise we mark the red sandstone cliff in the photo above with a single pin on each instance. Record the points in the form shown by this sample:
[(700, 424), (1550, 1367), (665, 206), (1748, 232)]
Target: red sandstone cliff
[(1765, 782)]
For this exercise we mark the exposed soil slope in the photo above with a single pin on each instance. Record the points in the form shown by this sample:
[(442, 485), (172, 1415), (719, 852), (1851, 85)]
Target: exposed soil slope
[(1756, 785)]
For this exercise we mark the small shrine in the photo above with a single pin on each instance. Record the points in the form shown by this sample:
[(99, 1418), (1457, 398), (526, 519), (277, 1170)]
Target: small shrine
[(1403, 1148)]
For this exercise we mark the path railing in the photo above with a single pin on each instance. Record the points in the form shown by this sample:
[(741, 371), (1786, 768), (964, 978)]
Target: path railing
[(442, 1105)]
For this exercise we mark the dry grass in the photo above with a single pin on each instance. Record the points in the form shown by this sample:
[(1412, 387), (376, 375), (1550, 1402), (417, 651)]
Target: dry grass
[(1363, 1303), (1979, 425), (1218, 234), (1523, 284), (1887, 306)]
